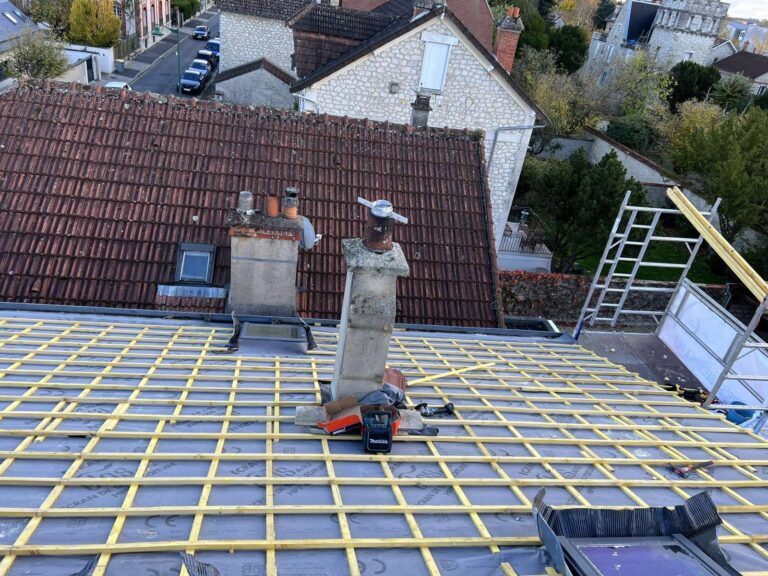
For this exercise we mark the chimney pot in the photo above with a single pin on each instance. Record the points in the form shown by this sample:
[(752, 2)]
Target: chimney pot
[(378, 230), (245, 201), (291, 203), (273, 204)]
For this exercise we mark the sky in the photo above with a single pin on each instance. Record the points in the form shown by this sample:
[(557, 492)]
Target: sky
[(748, 8)]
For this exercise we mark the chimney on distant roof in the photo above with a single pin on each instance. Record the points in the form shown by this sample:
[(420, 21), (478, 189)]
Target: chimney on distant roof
[(265, 252), (507, 36), (422, 6), (370, 297)]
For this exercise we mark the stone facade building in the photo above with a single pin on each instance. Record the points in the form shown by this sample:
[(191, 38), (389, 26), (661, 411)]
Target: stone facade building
[(671, 31), (430, 70)]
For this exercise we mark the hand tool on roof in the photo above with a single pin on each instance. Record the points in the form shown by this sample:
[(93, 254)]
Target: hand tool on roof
[(377, 431), (427, 412), (686, 470)]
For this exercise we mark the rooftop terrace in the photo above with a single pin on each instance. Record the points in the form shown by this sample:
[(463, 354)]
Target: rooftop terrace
[(128, 440)]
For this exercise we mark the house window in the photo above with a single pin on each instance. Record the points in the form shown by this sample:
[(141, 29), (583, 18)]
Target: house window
[(194, 263), (688, 56), (434, 66), (603, 77), (761, 90), (610, 53)]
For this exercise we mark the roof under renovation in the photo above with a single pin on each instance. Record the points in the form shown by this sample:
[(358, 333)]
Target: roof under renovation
[(126, 441)]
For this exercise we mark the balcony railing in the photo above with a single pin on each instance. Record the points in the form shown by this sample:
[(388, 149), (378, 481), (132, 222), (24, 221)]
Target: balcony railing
[(524, 233)]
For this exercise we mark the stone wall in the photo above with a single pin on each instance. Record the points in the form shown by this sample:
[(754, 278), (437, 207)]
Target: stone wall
[(473, 98), (249, 38), (256, 88), (560, 297), (671, 46)]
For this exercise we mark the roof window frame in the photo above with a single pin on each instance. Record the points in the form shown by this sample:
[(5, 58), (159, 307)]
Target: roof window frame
[(582, 566), (187, 247)]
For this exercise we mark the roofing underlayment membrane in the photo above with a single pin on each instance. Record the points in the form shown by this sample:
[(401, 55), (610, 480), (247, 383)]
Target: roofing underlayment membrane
[(127, 440)]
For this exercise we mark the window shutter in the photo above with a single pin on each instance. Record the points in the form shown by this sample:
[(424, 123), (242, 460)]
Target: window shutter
[(434, 66)]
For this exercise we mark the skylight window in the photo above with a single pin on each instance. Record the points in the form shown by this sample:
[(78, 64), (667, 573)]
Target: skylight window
[(663, 556), (194, 263), (11, 18)]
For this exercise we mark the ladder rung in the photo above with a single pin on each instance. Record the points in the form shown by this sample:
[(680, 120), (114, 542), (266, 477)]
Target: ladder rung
[(627, 259), (663, 265), (598, 319), (633, 243), (609, 305), (622, 275), (642, 226)]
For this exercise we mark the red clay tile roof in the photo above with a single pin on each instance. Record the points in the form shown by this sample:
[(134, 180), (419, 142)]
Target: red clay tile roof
[(98, 190), (275, 9), (750, 65), (322, 33)]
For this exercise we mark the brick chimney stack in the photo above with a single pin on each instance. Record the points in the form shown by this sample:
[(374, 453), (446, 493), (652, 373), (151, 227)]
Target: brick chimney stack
[(265, 252), (422, 6), (507, 36), (370, 302)]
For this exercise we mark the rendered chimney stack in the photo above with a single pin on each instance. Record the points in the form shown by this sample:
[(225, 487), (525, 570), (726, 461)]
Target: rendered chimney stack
[(507, 36), (370, 303), (265, 252)]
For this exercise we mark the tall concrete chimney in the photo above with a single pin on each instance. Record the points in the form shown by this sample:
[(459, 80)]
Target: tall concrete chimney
[(507, 36), (265, 252), (373, 265)]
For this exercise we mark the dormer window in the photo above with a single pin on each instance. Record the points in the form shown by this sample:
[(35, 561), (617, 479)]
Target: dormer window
[(194, 263), (434, 66)]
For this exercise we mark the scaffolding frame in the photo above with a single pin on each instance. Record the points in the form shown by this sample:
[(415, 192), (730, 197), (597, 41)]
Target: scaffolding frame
[(702, 221)]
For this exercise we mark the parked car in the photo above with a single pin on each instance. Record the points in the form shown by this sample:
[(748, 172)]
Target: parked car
[(209, 57), (116, 85), (192, 82), (203, 66), (201, 33), (214, 46)]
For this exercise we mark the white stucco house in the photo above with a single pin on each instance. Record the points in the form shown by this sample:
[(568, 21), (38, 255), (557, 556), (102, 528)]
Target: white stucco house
[(428, 69)]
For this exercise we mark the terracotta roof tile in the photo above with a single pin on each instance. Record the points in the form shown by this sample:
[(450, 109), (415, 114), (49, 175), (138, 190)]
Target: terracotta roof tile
[(275, 9), (98, 190)]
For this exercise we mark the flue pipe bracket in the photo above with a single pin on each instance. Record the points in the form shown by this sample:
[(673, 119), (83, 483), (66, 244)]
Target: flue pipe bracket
[(378, 230)]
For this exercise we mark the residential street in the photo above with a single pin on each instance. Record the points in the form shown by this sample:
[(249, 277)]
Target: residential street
[(162, 75)]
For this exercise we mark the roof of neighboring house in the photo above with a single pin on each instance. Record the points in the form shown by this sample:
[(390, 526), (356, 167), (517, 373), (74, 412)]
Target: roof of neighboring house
[(100, 188), (10, 30), (398, 28), (275, 9), (206, 440), (322, 33), (260, 64), (342, 22), (475, 14), (750, 65)]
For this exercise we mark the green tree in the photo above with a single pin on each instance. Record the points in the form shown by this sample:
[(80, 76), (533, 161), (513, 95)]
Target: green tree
[(536, 33), (691, 81), (634, 131), (569, 102), (570, 45), (729, 158), (636, 86), (577, 201), (188, 8), (55, 13), (604, 11), (762, 100), (38, 56), (94, 23), (733, 93), (685, 131)]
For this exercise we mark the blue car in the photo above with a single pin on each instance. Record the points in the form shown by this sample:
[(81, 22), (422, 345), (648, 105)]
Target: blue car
[(214, 46), (201, 66), (192, 82)]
